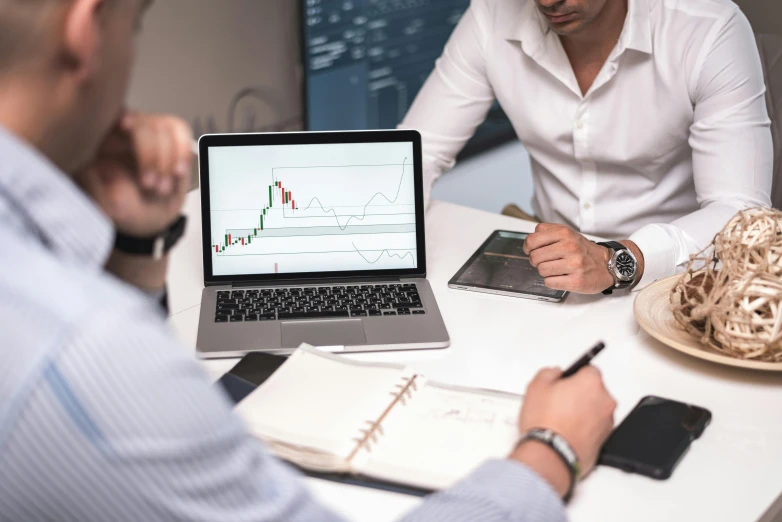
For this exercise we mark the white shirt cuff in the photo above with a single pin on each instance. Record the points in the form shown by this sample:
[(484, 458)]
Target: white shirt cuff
[(659, 251)]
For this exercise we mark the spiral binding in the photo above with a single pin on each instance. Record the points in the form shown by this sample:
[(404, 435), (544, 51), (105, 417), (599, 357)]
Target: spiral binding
[(372, 433)]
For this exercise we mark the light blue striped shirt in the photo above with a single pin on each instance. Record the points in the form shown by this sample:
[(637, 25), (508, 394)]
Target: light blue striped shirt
[(104, 416)]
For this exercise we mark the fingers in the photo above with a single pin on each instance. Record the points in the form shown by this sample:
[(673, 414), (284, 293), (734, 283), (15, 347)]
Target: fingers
[(563, 283), (561, 267), (183, 140), (161, 148), (591, 378), (591, 373), (542, 227), (164, 159), (546, 234), (144, 143), (545, 254), (546, 376), (540, 240)]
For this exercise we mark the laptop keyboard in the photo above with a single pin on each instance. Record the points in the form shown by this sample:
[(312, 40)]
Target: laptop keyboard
[(274, 304)]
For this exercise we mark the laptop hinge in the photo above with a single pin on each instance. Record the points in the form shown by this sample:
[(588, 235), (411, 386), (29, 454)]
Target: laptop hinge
[(320, 281)]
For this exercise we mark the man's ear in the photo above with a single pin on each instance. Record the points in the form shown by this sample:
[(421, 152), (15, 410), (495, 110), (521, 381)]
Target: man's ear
[(82, 35)]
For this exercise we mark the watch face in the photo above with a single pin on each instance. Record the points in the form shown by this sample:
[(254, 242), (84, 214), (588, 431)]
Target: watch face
[(625, 266)]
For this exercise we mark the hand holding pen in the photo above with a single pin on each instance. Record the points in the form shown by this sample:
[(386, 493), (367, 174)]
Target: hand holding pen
[(574, 404)]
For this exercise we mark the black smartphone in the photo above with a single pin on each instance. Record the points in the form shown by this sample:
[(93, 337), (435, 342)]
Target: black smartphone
[(249, 373), (654, 438)]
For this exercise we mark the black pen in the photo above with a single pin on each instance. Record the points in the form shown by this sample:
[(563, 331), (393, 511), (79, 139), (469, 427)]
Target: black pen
[(583, 361)]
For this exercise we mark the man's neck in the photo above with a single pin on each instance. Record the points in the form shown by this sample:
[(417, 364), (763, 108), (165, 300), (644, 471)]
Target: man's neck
[(26, 110), (597, 40)]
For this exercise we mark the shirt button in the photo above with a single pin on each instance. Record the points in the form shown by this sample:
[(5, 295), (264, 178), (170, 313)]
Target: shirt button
[(580, 124), (587, 205)]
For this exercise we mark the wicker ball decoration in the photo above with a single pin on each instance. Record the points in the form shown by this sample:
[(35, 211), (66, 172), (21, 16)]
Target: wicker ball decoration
[(730, 297), (752, 240)]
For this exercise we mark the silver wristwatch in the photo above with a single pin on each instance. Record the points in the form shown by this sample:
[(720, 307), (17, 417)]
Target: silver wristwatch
[(622, 265), (563, 450)]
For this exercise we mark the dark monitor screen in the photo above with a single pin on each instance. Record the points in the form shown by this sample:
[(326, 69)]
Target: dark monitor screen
[(366, 60)]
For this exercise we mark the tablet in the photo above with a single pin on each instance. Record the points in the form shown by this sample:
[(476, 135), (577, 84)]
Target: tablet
[(501, 267)]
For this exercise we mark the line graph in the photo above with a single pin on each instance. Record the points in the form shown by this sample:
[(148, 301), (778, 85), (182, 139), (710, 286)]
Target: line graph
[(364, 211), (359, 214), (385, 252)]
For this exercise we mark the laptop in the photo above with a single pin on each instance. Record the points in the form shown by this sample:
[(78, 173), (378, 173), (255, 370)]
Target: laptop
[(317, 238)]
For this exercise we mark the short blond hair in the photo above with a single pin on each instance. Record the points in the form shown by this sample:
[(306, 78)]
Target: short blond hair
[(24, 25)]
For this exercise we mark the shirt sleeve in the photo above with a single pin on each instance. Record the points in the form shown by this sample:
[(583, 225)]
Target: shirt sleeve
[(497, 491), (456, 97), (732, 149), (123, 425)]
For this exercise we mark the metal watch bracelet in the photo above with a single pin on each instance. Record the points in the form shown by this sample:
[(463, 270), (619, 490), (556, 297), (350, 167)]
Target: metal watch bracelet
[(563, 450)]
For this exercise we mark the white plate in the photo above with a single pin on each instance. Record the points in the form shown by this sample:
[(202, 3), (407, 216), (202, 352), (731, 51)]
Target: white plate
[(653, 312)]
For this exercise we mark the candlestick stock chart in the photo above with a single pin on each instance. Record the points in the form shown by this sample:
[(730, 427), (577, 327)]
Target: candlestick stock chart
[(305, 208)]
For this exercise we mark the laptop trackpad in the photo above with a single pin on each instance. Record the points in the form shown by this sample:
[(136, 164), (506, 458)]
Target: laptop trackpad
[(348, 332)]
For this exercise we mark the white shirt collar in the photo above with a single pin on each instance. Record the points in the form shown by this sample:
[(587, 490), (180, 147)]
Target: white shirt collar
[(533, 29)]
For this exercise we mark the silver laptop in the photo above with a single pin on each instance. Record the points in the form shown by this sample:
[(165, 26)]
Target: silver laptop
[(314, 237)]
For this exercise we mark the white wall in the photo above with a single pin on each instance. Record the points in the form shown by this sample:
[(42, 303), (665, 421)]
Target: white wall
[(490, 181), (194, 56)]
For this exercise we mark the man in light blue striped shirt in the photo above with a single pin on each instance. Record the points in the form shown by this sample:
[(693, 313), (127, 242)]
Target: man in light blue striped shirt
[(103, 416)]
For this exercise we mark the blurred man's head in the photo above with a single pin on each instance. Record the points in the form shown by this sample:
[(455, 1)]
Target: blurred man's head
[(570, 17), (64, 72)]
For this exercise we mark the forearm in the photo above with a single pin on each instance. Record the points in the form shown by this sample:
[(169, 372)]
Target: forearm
[(667, 247), (143, 272)]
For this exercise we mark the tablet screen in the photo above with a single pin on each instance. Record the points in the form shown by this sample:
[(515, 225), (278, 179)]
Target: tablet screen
[(501, 264)]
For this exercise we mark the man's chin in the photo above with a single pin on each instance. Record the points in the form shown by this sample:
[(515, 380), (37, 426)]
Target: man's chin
[(569, 28)]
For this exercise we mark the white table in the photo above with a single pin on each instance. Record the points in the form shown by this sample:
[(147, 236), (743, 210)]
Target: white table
[(731, 474)]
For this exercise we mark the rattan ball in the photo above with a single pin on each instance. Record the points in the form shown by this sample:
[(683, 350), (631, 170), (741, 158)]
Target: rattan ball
[(730, 297), (753, 239)]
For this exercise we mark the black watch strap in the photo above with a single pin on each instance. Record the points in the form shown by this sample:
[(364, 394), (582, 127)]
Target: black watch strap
[(615, 245), (155, 246), (562, 448)]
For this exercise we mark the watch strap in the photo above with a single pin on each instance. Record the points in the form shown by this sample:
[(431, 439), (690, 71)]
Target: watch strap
[(563, 450), (613, 245), (155, 246), (618, 285)]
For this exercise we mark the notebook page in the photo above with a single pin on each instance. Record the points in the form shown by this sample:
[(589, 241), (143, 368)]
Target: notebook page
[(442, 434), (320, 401)]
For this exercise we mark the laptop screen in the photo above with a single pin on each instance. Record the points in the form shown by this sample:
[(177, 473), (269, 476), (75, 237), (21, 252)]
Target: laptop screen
[(312, 208)]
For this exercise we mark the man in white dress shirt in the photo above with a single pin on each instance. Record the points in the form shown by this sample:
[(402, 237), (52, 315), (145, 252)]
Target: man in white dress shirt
[(645, 121)]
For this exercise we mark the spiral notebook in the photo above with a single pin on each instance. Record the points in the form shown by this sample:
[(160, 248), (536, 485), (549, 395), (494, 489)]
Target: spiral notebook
[(327, 414)]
